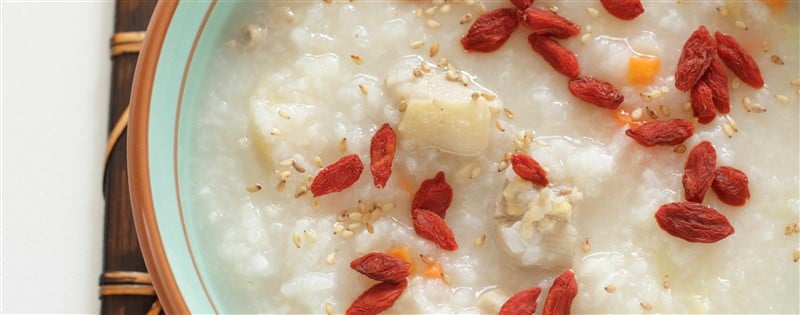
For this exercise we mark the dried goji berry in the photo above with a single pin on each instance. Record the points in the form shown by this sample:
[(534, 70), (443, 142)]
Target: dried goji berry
[(547, 23), (597, 92), (563, 291), (662, 132), (381, 267), (703, 103), (738, 60), (337, 176), (717, 80), (697, 54), (731, 186), (522, 4), (378, 298), (623, 9), (693, 222), (381, 154), (522, 303), (432, 227), (558, 57), (698, 173), (528, 169), (491, 30), (434, 194)]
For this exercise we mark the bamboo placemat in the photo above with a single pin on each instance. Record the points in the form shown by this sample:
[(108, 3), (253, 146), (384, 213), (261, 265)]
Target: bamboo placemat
[(125, 286)]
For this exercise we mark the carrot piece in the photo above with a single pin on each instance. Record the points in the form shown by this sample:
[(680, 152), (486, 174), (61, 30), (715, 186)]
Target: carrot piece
[(403, 254), (643, 69), (775, 5), (433, 271)]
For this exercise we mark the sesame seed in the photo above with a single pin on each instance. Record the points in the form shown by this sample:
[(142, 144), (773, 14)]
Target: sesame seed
[(474, 172), (301, 191), (796, 228), (403, 105), (425, 67), (297, 167), (646, 96), (585, 38), (463, 79), (347, 234), (276, 132), (782, 99), (451, 75), (499, 125), (480, 240), (433, 24), (343, 145), (728, 130), (284, 114), (284, 175), (646, 306), (330, 260), (355, 216), (765, 45), (796, 83), (387, 206), (722, 11), (419, 12), (747, 103), (480, 7), (254, 187), (357, 59), (735, 83), (315, 202), (297, 240), (469, 2), (636, 114), (588, 28), (430, 11), (281, 186), (664, 89), (489, 96), (732, 123), (542, 143), (443, 62), (651, 112), (311, 236), (518, 145), (679, 148), (417, 73), (363, 89), (776, 60), (465, 18), (740, 24), (665, 282), (446, 278), (426, 259), (552, 8), (370, 228), (664, 110), (318, 161), (416, 44), (592, 12), (788, 230), (286, 162), (502, 166), (508, 113), (586, 246), (610, 288), (758, 108), (475, 95), (445, 9), (354, 226)]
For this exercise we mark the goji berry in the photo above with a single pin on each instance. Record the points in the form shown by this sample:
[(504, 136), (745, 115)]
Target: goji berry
[(623, 9), (521, 303), (662, 132), (432, 227), (698, 173), (717, 80), (596, 92), (381, 267), (528, 169), (693, 222), (731, 186), (378, 298), (491, 30), (381, 154), (738, 60), (337, 176), (703, 103), (522, 4), (558, 57), (697, 54), (559, 298), (434, 194), (547, 23)]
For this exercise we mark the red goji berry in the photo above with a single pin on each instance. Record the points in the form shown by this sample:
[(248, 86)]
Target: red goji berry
[(434, 195), (731, 186), (703, 103), (559, 298), (662, 132), (558, 57), (717, 80), (378, 298), (337, 176), (381, 267), (547, 23), (381, 154), (596, 92), (693, 222), (521, 303), (697, 54), (738, 60), (528, 169), (432, 227), (698, 173), (623, 9), (490, 31), (522, 4)]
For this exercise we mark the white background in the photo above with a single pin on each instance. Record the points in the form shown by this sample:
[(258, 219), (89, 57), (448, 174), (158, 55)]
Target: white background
[(56, 74)]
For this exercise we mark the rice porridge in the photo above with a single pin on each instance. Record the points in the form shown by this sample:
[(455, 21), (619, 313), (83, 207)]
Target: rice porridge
[(300, 85)]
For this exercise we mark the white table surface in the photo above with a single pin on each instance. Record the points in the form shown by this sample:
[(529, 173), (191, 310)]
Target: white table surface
[(55, 94)]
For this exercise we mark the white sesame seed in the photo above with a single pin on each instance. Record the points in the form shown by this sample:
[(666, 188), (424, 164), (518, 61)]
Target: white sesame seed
[(723, 11), (286, 162), (782, 99), (403, 105), (740, 24), (796, 255), (254, 187), (416, 44), (542, 143), (502, 166), (443, 62), (425, 67), (297, 240), (446, 278), (426, 259), (445, 9), (499, 125), (419, 12), (281, 186), (796, 83), (284, 175), (301, 191), (776, 60), (592, 12), (758, 108), (343, 145), (651, 112), (474, 172), (311, 236), (330, 260), (687, 106), (463, 79), (354, 226), (588, 28), (636, 114), (765, 45), (387, 206), (347, 234), (664, 110), (585, 38), (610, 288), (315, 202), (433, 24), (338, 227), (431, 11), (665, 282), (518, 144), (735, 83), (357, 59), (508, 113), (480, 240), (318, 161), (552, 8), (732, 123), (363, 89), (681, 148), (728, 130), (355, 216), (586, 246), (465, 18), (646, 306), (451, 75), (417, 73), (297, 167), (489, 96), (480, 7), (664, 89), (284, 114), (276, 132)]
